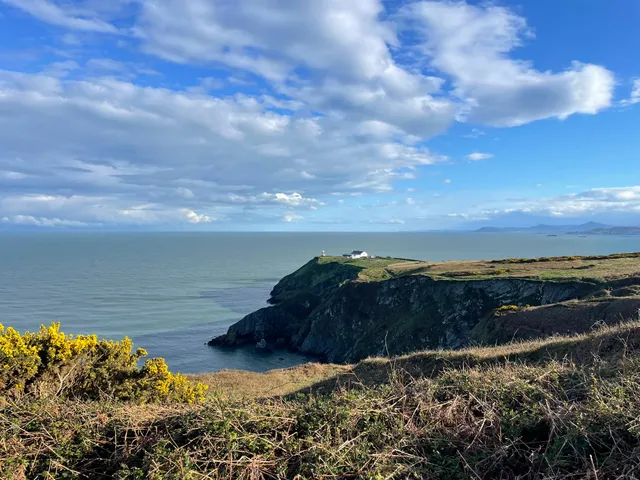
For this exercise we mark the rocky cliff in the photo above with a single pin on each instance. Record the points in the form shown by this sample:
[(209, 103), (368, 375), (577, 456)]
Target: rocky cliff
[(325, 309)]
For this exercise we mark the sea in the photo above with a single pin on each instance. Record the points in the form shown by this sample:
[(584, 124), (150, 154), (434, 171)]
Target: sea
[(172, 292)]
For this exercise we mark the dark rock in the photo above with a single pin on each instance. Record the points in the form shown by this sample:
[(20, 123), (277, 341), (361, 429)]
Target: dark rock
[(563, 318), (318, 310)]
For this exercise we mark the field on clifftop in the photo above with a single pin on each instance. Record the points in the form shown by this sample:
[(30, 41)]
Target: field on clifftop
[(564, 407), (595, 267)]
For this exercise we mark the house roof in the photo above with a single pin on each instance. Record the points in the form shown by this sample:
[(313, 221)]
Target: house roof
[(357, 252)]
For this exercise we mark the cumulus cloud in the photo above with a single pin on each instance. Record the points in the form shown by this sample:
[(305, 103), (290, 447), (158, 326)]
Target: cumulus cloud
[(596, 202), (472, 45), (316, 99), (130, 144), (321, 35), (343, 45), (193, 217), (476, 156)]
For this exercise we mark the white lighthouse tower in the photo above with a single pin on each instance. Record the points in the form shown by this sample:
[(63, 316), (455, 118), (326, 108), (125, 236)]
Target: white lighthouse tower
[(323, 254)]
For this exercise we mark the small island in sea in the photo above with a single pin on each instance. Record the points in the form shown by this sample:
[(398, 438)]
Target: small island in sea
[(514, 368)]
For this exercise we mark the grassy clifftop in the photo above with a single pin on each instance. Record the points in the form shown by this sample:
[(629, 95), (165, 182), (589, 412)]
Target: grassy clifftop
[(559, 408), (597, 268)]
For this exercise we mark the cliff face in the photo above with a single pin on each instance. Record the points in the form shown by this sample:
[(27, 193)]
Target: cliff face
[(413, 313), (322, 310), (564, 318)]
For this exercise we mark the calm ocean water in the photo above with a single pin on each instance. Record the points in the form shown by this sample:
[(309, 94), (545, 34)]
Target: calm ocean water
[(172, 292)]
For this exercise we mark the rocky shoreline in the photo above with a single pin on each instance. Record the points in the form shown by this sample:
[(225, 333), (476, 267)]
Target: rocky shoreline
[(325, 310)]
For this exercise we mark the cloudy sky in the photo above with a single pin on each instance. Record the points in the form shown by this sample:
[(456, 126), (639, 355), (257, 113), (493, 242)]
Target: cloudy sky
[(318, 114)]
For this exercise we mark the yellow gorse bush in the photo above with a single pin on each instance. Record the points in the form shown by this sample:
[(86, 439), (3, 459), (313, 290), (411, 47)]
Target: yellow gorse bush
[(169, 384), (51, 362)]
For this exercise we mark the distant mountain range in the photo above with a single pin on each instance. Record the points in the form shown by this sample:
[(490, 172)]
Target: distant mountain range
[(589, 228)]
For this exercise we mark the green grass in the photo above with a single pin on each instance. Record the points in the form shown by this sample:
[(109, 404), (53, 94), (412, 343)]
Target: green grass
[(551, 409), (599, 268)]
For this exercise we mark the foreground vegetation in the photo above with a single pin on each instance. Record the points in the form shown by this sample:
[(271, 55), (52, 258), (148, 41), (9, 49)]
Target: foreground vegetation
[(51, 364), (556, 408)]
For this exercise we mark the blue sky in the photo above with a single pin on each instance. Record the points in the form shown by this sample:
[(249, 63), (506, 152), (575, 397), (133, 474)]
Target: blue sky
[(318, 115)]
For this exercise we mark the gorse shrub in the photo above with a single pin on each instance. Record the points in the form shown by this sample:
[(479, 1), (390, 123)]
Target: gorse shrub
[(508, 308), (51, 363)]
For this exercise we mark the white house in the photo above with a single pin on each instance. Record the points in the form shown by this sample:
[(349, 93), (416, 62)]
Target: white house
[(359, 254)]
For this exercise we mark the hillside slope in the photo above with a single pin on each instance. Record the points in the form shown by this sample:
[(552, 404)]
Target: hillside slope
[(559, 408)]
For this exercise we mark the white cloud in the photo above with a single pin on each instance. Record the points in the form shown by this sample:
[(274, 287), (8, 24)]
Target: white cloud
[(588, 204), (128, 144), (71, 39), (32, 221), (8, 175), (635, 94), (290, 217), (472, 43), (271, 37), (317, 99), (193, 217), (62, 15), (61, 69), (106, 64), (185, 192), (475, 133), (388, 221), (344, 46), (206, 85), (476, 156)]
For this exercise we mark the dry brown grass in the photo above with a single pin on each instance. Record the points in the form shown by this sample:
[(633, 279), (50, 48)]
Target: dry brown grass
[(240, 384), (601, 269), (608, 342)]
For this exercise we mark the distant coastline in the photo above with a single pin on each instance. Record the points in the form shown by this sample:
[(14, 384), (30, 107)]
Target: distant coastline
[(590, 228)]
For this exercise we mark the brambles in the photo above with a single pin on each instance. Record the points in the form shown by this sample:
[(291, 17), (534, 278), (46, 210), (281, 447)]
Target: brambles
[(51, 363)]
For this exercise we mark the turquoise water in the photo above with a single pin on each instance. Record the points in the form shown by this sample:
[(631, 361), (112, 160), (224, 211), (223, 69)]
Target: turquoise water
[(172, 292)]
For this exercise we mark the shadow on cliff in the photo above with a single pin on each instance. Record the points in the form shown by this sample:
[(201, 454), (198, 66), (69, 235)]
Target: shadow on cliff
[(608, 343)]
